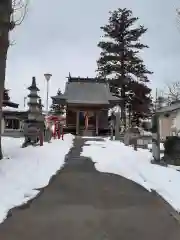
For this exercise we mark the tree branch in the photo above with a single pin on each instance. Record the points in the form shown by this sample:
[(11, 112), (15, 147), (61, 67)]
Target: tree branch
[(172, 92), (20, 9)]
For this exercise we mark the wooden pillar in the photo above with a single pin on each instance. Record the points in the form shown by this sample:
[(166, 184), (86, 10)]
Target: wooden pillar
[(97, 123), (77, 122)]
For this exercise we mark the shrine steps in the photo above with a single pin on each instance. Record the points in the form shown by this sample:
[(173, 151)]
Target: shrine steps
[(88, 133)]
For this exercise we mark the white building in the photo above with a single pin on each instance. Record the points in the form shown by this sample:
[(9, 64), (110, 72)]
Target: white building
[(169, 120)]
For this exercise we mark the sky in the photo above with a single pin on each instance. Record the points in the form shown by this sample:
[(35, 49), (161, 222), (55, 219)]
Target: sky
[(63, 37)]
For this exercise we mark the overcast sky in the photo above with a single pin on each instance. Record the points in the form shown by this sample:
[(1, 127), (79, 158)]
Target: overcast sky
[(63, 37)]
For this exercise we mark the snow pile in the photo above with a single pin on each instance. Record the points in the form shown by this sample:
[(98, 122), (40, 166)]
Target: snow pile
[(24, 170), (115, 157)]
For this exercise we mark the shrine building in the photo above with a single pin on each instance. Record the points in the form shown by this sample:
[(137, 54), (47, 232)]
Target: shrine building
[(87, 101)]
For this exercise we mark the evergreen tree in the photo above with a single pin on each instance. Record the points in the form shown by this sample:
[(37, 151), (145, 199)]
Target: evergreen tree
[(119, 60), (140, 101), (57, 109)]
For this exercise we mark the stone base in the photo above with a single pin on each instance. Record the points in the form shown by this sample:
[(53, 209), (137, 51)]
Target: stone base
[(161, 163)]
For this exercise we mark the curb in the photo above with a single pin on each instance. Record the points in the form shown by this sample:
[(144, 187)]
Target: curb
[(172, 212)]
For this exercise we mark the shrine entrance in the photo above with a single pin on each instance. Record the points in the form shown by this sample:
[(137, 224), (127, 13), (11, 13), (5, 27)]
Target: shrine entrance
[(87, 120)]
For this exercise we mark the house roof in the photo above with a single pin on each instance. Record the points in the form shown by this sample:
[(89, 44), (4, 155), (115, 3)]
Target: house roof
[(87, 91), (169, 108)]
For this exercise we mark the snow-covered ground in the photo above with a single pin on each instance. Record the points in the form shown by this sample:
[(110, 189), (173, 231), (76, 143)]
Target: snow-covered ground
[(115, 157), (25, 170)]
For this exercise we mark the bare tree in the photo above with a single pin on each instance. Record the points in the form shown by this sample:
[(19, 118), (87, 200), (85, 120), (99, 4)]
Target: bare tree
[(20, 8), (12, 13), (178, 19), (170, 93), (173, 91)]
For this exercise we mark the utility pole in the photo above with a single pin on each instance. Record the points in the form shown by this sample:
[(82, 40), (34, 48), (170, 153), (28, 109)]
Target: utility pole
[(156, 99), (47, 77), (25, 98)]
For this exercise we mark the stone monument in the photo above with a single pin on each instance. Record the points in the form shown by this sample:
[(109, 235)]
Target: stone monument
[(48, 132), (112, 125), (131, 136)]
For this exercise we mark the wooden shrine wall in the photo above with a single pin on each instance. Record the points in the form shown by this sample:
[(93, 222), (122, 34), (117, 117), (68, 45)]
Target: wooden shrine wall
[(103, 118), (70, 118)]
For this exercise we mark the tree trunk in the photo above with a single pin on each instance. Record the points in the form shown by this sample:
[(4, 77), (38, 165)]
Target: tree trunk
[(2, 81), (129, 111), (123, 106), (4, 44), (123, 87)]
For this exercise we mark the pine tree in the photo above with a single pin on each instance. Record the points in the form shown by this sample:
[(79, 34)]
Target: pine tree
[(119, 60), (140, 101), (57, 109)]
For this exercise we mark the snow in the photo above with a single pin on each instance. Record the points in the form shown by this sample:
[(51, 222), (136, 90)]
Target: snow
[(115, 109), (146, 120), (145, 133), (114, 157), (25, 170), (11, 109)]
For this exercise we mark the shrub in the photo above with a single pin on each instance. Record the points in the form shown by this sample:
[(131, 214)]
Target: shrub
[(172, 145)]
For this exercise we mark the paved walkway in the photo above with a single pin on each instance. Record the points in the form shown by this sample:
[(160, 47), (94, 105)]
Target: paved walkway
[(83, 204)]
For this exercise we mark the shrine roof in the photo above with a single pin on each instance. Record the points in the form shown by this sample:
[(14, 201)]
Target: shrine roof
[(10, 104), (86, 91)]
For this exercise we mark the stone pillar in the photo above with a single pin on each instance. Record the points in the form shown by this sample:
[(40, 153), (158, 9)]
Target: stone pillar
[(77, 122), (97, 123), (155, 138), (117, 125), (2, 125)]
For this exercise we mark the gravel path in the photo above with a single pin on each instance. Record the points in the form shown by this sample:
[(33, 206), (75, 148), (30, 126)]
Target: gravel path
[(83, 204)]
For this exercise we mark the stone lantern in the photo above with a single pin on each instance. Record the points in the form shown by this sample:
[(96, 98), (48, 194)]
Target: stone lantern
[(33, 104), (34, 125)]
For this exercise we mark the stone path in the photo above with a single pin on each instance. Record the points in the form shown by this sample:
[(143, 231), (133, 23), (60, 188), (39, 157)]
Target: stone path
[(83, 204)]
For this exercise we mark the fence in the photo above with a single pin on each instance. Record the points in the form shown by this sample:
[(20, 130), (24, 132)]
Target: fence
[(144, 141), (13, 133)]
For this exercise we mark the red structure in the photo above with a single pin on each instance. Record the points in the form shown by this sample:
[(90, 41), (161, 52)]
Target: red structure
[(57, 131)]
